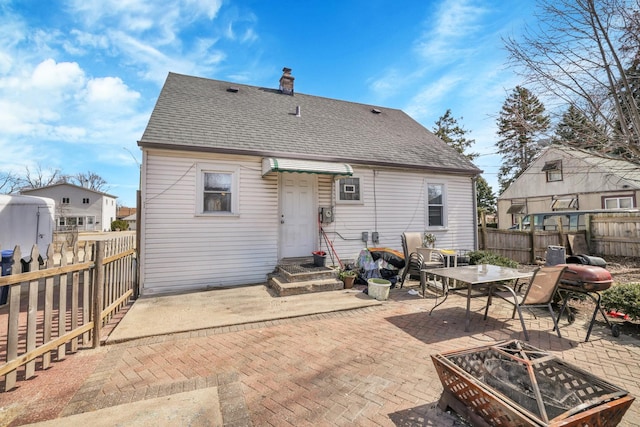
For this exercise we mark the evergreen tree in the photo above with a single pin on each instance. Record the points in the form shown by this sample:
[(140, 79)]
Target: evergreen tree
[(576, 130), (448, 130), (485, 196), (521, 122)]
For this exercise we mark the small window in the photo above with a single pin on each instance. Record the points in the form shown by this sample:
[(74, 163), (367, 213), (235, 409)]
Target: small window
[(218, 190), (349, 190), (90, 220), (553, 170), (618, 203), (65, 200), (85, 200), (435, 205)]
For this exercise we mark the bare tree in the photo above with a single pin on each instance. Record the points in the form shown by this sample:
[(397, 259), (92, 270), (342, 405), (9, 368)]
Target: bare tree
[(41, 178), (580, 52), (89, 180), (9, 183)]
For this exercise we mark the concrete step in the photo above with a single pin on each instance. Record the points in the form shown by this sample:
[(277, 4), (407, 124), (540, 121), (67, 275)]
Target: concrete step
[(283, 288)]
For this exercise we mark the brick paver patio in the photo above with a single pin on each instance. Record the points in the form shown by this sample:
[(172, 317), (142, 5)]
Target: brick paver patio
[(364, 367)]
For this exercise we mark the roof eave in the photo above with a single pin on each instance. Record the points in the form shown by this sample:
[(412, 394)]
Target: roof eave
[(259, 153)]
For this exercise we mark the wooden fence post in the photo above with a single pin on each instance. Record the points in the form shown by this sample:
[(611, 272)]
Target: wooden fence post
[(483, 218), (98, 293), (532, 241)]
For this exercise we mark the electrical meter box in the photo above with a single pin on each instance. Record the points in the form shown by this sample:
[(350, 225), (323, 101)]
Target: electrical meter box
[(326, 215)]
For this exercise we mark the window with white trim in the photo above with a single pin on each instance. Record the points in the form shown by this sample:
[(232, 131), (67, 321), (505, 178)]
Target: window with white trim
[(349, 190), (618, 202), (435, 205), (217, 190)]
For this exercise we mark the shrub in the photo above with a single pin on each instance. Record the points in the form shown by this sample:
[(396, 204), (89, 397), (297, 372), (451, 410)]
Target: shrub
[(623, 298), (482, 257), (119, 224)]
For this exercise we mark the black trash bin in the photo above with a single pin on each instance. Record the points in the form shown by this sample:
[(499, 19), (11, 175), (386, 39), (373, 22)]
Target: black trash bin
[(7, 263)]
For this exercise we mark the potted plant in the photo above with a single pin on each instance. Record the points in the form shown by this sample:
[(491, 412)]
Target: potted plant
[(348, 277), (429, 240)]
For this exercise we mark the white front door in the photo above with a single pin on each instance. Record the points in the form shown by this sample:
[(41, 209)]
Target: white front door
[(298, 214)]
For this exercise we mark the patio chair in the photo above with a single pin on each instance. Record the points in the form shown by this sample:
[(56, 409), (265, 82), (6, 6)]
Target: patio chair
[(410, 241), (415, 260), (539, 293)]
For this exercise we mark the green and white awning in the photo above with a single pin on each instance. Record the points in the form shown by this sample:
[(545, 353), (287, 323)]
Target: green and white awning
[(272, 164)]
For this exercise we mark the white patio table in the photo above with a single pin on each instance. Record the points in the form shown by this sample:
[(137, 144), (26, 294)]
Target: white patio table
[(474, 276)]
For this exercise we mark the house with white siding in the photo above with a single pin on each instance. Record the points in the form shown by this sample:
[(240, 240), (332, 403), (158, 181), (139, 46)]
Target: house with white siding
[(236, 178), (570, 179), (79, 208)]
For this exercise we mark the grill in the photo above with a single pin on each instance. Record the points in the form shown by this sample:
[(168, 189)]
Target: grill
[(515, 384), (587, 280)]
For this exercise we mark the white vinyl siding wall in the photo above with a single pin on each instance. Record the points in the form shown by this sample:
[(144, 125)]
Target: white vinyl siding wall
[(399, 206), (183, 251)]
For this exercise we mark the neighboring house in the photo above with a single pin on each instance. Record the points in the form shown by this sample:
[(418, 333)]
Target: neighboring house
[(124, 212), (131, 221), (235, 178), (564, 178), (79, 208)]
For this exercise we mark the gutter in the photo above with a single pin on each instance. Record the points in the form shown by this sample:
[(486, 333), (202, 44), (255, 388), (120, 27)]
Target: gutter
[(162, 146)]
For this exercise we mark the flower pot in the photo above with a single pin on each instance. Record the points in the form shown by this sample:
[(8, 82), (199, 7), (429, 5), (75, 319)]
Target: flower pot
[(348, 281), (378, 289)]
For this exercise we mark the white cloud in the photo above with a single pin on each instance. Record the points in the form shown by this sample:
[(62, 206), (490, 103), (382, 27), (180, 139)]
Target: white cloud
[(455, 21), (52, 76), (111, 90), (431, 97)]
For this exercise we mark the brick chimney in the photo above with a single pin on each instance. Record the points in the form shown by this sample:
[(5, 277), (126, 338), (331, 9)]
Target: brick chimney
[(286, 81)]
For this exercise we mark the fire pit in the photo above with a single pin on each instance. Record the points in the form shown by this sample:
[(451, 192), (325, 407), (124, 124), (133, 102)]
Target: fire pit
[(515, 384)]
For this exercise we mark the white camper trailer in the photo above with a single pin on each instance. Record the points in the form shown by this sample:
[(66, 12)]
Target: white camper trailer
[(26, 221)]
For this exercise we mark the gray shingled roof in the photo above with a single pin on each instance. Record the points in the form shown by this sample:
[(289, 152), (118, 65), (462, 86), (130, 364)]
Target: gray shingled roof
[(102, 193), (202, 114)]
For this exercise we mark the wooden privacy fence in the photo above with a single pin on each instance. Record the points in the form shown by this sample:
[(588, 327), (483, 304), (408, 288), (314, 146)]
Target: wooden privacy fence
[(57, 305), (523, 247), (605, 234)]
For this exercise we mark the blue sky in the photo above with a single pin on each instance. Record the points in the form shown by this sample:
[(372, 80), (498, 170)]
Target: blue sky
[(79, 78)]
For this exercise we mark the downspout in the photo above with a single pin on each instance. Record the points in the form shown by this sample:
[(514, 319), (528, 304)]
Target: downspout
[(475, 212)]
